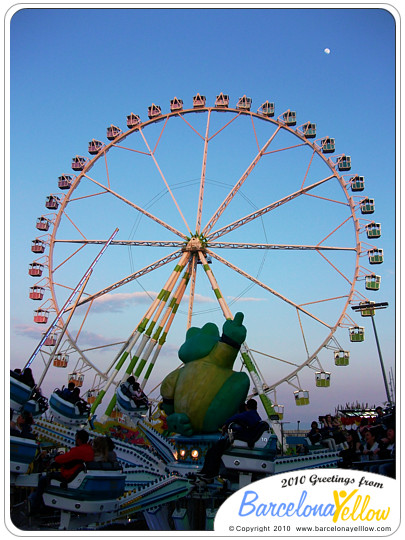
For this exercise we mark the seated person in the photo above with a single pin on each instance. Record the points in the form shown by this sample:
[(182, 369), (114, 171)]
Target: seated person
[(67, 392), (112, 456), (80, 403), (332, 429), (379, 423), (127, 387), (353, 450), (379, 419), (315, 434), (132, 389), (104, 450), (365, 425), (27, 378), (70, 463), (15, 373), (387, 444), (387, 452), (240, 424), (22, 427), (100, 447), (371, 449), (139, 397)]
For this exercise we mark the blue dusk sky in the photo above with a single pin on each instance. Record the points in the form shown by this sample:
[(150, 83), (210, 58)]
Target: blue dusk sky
[(74, 72)]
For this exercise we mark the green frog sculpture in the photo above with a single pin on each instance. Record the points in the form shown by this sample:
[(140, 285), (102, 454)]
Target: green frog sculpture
[(202, 394)]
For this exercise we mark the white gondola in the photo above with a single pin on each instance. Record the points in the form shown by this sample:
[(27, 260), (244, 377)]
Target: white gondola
[(20, 393), (65, 412), (25, 398), (128, 405), (95, 490), (22, 453)]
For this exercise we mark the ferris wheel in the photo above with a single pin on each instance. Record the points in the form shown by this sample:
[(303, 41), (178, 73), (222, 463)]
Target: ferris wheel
[(219, 209)]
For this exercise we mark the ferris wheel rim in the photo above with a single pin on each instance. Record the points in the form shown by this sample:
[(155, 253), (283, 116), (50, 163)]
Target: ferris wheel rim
[(165, 117)]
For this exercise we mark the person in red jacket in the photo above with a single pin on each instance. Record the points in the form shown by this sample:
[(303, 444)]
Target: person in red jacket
[(71, 462)]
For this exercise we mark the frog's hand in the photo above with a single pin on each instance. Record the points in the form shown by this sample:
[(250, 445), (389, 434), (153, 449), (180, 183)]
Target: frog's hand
[(233, 331), (180, 423), (167, 391), (226, 403)]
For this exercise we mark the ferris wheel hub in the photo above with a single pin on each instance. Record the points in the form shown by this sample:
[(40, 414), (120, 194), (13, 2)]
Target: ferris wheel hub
[(197, 242)]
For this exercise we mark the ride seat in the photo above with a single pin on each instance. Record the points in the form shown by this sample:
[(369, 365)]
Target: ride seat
[(132, 402), (103, 466), (88, 466), (254, 433), (58, 392), (125, 390), (64, 484)]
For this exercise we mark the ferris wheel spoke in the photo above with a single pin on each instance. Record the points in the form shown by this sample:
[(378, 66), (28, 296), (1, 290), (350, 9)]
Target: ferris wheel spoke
[(225, 126), (83, 321), (265, 209), (147, 243), (309, 166), (98, 347), (202, 181), (318, 249), (238, 185), (282, 360), (152, 153), (190, 126), (334, 267), (68, 258), (242, 245), (74, 225), (107, 169), (284, 149), (324, 300), (303, 333), (264, 286), (140, 209), (160, 136), (84, 357), (334, 230), (294, 374), (254, 132), (74, 199), (132, 277), (326, 199)]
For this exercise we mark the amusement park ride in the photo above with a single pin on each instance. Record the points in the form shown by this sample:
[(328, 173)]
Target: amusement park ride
[(151, 480)]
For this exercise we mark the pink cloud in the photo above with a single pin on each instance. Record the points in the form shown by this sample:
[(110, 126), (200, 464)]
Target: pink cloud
[(116, 302), (31, 331), (201, 299)]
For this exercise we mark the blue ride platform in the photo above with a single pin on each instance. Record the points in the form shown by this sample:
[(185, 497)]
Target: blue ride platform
[(66, 412)]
